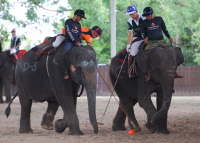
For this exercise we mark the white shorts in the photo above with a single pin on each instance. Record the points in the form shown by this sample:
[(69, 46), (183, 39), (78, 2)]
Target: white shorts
[(135, 46), (13, 51), (59, 40)]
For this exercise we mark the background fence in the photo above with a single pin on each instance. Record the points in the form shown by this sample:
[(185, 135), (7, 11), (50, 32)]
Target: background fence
[(189, 84)]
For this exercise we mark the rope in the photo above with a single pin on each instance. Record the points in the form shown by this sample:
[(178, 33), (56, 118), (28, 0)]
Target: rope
[(176, 44)]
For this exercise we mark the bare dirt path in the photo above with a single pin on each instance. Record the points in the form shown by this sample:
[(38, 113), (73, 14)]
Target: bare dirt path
[(183, 123)]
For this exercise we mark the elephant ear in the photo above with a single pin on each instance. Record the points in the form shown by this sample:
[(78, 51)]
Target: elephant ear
[(60, 60), (143, 60), (179, 56)]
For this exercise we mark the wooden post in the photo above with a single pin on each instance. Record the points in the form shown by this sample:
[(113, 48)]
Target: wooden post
[(113, 28)]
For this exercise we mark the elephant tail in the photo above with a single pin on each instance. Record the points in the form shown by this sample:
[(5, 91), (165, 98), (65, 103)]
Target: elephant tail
[(8, 109)]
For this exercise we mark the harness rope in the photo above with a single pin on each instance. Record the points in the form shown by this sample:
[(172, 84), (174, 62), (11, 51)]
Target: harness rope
[(100, 123)]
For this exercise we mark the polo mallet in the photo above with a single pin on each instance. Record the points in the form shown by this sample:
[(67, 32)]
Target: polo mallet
[(101, 123)]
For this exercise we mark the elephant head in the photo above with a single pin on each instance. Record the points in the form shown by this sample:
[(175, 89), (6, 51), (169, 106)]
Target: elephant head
[(81, 62), (162, 63)]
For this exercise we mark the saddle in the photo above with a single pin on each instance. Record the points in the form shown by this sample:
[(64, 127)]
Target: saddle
[(121, 56), (45, 47), (47, 41)]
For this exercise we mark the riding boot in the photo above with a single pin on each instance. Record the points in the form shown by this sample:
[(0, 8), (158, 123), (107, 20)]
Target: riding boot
[(42, 50), (130, 63), (15, 58), (177, 75)]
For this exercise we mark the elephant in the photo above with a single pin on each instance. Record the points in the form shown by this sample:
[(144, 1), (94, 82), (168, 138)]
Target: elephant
[(43, 80), (162, 63), (6, 75)]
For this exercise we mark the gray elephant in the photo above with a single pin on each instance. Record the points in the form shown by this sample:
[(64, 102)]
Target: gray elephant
[(162, 63), (6, 75), (43, 80)]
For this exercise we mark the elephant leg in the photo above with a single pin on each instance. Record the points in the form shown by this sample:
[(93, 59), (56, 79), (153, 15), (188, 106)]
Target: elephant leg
[(61, 124), (145, 102), (48, 117), (163, 120), (137, 128), (128, 107), (7, 84), (66, 101), (1, 91), (25, 126), (119, 120)]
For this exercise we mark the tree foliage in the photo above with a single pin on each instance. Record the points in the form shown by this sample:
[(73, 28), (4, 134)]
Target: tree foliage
[(3, 34), (181, 18)]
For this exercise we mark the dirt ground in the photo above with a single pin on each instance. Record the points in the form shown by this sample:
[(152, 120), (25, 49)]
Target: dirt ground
[(183, 123)]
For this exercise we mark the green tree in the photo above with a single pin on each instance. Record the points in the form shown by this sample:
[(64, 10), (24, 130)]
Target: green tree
[(181, 18), (3, 34)]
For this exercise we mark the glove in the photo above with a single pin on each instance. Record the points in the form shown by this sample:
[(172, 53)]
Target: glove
[(128, 48)]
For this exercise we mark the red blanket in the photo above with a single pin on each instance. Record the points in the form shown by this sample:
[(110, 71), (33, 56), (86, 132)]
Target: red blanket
[(121, 56), (20, 54)]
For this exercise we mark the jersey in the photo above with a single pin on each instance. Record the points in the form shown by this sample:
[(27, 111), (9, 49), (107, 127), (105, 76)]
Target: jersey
[(14, 42), (153, 29), (86, 34), (73, 31), (136, 26)]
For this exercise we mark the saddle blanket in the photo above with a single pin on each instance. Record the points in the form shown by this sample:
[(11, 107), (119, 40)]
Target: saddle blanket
[(19, 54)]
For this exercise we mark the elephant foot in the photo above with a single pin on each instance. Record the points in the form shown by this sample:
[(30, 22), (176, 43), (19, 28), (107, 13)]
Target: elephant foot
[(23, 130), (120, 128), (47, 126), (25, 127), (47, 121), (71, 132), (137, 129), (163, 131), (1, 101), (152, 127), (60, 126)]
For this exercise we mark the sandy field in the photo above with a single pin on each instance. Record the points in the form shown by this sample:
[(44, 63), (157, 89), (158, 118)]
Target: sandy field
[(183, 123)]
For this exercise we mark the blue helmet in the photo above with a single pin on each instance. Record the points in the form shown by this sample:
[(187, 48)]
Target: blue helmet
[(147, 11), (131, 9)]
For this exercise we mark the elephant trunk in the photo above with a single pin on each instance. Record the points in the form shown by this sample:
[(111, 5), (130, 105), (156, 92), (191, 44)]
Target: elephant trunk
[(90, 85), (91, 96), (167, 84)]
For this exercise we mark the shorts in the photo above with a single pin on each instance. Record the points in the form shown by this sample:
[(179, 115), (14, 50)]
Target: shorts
[(135, 46), (155, 43)]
